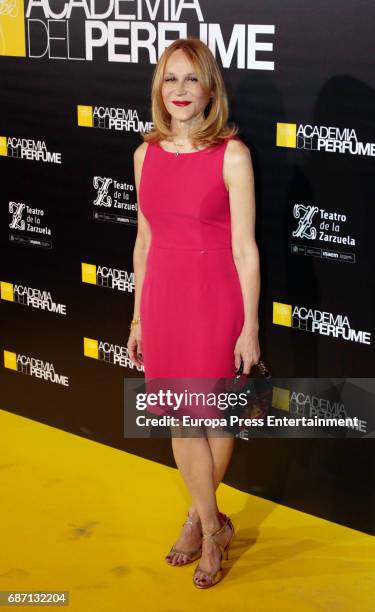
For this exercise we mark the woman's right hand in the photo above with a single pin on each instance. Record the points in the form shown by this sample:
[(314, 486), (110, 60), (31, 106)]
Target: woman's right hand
[(134, 345)]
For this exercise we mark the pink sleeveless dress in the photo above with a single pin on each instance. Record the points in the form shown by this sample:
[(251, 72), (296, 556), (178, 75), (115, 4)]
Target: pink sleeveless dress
[(191, 302)]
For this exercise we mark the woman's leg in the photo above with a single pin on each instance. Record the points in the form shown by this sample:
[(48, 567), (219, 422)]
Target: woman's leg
[(202, 462), (221, 451)]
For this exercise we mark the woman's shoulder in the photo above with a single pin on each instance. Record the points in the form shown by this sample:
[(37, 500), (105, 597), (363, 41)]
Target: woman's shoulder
[(140, 151), (236, 150)]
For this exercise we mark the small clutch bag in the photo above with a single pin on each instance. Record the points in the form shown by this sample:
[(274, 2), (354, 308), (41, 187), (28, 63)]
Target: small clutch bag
[(258, 389), (261, 367)]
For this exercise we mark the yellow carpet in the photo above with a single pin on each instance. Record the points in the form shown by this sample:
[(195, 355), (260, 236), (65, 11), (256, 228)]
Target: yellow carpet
[(82, 517)]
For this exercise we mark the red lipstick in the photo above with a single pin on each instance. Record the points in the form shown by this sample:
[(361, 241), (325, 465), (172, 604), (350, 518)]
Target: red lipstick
[(181, 102)]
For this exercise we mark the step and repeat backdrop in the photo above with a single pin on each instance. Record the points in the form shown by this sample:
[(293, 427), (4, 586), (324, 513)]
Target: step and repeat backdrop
[(75, 98)]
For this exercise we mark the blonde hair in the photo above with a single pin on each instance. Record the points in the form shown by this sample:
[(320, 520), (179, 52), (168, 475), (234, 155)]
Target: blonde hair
[(214, 129)]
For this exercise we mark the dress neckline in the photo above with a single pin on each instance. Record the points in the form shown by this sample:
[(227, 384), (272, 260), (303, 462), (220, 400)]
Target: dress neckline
[(182, 152)]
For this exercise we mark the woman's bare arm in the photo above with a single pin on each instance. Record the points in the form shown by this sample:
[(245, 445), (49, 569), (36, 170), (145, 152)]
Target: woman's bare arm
[(143, 239), (140, 252), (239, 178)]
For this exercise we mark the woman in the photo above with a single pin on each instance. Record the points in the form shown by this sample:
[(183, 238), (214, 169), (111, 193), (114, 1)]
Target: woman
[(196, 267)]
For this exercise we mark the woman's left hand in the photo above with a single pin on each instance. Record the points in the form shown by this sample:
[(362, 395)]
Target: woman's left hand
[(247, 349)]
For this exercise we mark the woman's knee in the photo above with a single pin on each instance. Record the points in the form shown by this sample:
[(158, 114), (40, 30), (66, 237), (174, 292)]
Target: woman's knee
[(180, 431), (218, 433)]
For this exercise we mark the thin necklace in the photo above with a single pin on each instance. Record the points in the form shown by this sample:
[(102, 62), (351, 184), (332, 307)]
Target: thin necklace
[(177, 145)]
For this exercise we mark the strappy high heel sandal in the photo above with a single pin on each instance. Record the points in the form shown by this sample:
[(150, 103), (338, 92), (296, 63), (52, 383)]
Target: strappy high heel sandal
[(192, 555), (213, 577)]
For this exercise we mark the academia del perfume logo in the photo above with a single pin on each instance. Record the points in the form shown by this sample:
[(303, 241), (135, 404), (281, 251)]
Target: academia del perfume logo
[(111, 118), (28, 149), (32, 366), (108, 352), (330, 139), (30, 296), (334, 325), (105, 276)]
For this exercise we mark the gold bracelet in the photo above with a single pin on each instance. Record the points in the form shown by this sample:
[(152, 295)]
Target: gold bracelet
[(134, 322)]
